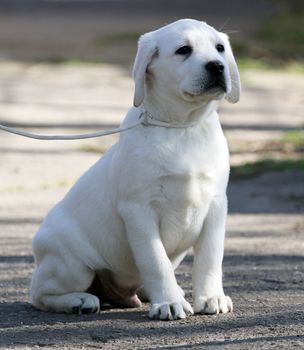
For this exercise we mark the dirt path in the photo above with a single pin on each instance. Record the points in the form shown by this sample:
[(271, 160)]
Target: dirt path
[(263, 265)]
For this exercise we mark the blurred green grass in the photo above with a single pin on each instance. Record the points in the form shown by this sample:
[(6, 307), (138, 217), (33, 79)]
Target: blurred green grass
[(295, 138), (120, 38), (278, 43), (285, 32), (257, 168)]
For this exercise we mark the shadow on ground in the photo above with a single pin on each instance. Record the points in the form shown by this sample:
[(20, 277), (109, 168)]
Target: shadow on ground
[(267, 292)]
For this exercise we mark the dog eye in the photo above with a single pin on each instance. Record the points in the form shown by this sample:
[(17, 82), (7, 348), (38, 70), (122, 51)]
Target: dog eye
[(220, 48), (184, 50)]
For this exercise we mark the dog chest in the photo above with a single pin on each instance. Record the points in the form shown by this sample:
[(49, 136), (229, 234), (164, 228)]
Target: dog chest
[(182, 206), (185, 190)]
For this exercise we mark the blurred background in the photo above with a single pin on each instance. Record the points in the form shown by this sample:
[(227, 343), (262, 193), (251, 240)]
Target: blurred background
[(65, 67), (107, 30)]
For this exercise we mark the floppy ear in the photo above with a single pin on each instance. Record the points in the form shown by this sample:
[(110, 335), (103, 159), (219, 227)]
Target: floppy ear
[(145, 52), (234, 94)]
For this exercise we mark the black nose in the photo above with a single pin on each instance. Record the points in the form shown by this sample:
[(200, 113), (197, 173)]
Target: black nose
[(215, 67)]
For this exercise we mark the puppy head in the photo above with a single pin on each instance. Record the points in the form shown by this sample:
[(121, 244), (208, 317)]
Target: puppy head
[(187, 60)]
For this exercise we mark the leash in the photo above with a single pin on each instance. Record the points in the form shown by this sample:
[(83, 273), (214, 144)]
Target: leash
[(70, 137), (145, 119)]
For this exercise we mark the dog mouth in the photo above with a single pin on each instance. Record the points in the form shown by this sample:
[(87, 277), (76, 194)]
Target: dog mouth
[(216, 85), (213, 89)]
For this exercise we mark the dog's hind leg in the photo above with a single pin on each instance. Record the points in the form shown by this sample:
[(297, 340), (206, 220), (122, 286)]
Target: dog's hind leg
[(76, 303), (60, 285)]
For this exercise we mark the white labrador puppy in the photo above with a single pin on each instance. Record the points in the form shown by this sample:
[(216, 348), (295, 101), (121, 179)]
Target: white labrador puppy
[(160, 190)]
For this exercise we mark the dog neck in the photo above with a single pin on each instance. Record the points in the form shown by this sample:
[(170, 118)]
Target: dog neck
[(162, 112)]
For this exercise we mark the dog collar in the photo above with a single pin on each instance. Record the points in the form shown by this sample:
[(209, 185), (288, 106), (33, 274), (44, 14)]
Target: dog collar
[(149, 120)]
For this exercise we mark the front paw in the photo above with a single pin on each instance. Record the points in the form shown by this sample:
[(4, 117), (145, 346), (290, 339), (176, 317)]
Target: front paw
[(213, 305), (170, 311)]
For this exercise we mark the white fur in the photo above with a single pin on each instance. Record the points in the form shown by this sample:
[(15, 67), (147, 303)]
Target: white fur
[(156, 193)]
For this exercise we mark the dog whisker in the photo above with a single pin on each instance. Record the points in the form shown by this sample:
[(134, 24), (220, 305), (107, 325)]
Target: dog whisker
[(221, 29)]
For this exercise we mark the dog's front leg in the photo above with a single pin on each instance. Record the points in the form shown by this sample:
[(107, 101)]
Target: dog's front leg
[(208, 291), (157, 274)]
